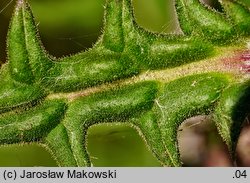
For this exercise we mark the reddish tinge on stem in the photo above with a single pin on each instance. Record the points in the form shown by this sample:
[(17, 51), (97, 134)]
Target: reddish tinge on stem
[(245, 58)]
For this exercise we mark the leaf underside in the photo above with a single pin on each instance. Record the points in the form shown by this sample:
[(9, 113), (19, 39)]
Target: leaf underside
[(151, 81)]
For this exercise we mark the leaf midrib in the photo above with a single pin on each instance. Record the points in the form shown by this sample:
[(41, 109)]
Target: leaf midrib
[(213, 64)]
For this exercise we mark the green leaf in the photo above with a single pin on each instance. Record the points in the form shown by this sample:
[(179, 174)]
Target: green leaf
[(31, 125), (113, 23), (27, 58), (239, 14), (177, 101), (14, 94), (195, 18), (231, 112)]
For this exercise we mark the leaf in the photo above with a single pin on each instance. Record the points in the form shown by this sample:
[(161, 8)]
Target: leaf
[(239, 14), (31, 125), (231, 113), (174, 104), (28, 61), (150, 81), (204, 20)]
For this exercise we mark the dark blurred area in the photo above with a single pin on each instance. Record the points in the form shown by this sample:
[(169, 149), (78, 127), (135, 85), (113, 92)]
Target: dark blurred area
[(201, 145)]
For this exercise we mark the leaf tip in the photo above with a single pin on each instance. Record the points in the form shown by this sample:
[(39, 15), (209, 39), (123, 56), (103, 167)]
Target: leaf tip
[(20, 3)]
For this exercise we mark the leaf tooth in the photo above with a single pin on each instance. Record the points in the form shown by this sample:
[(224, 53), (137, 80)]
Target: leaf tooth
[(128, 17), (120, 21), (135, 35), (239, 14), (58, 143), (20, 3), (172, 107), (17, 52), (113, 37), (27, 57), (230, 113), (197, 19)]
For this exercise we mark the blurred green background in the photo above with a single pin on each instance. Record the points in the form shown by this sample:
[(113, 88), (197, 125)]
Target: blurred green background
[(67, 27)]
